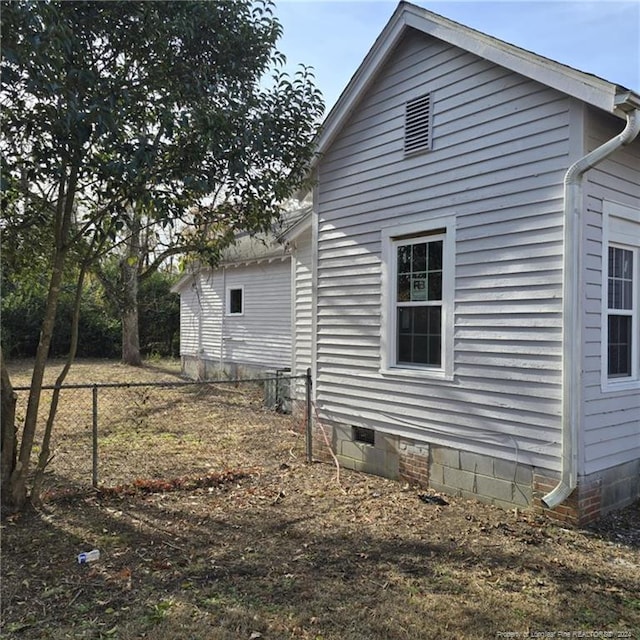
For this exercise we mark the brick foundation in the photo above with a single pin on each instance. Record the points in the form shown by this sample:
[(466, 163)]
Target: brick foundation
[(413, 463), (320, 449)]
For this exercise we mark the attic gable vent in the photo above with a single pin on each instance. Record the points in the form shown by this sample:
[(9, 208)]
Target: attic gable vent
[(417, 126)]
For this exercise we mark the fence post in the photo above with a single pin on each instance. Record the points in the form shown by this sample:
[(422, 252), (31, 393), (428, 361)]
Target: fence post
[(94, 478), (308, 407)]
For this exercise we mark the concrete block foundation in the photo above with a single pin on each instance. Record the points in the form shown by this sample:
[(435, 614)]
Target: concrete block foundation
[(504, 483)]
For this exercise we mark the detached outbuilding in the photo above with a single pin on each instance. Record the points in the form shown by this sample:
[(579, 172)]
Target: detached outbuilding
[(475, 313)]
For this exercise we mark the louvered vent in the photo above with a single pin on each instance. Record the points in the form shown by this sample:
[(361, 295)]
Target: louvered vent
[(417, 127)]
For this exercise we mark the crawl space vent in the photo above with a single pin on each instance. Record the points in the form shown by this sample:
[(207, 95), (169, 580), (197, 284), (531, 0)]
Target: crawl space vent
[(417, 125), (363, 435)]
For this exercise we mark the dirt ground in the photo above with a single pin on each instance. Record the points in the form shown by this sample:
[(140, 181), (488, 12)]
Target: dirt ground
[(216, 528)]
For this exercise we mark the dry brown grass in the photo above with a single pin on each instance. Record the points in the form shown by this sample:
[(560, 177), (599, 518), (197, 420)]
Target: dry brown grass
[(286, 552)]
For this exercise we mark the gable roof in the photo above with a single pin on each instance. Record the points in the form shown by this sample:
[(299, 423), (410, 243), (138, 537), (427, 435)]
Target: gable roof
[(253, 249), (589, 88)]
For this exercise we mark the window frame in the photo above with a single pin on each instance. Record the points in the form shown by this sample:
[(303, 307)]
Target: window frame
[(620, 231), (437, 228), (228, 293)]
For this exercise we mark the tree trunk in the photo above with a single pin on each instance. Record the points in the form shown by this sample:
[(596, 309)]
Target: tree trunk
[(16, 494), (9, 442), (129, 271), (45, 450)]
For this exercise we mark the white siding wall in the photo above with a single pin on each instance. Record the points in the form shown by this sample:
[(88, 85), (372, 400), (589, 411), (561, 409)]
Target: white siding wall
[(612, 418), (189, 319), (500, 150), (302, 305), (261, 336), (211, 291)]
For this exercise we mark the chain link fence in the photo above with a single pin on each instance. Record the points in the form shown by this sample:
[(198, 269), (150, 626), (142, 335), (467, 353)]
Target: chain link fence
[(108, 435)]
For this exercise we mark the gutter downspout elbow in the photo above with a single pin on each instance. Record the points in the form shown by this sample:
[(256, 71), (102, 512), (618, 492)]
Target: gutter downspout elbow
[(571, 307)]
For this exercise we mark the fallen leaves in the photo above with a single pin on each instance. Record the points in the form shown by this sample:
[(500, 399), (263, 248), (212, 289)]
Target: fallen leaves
[(183, 483)]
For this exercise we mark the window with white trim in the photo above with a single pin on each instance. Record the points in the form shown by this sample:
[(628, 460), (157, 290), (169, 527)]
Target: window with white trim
[(418, 279), (235, 301), (621, 297), (620, 315), (418, 294)]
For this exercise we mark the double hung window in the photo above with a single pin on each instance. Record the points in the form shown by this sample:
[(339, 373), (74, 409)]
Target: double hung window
[(621, 297), (417, 314), (418, 294), (620, 321)]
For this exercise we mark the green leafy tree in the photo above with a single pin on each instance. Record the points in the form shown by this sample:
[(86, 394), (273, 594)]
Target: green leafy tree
[(123, 116)]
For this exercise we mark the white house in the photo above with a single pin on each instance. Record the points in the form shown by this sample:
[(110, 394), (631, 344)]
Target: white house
[(467, 288), (236, 319), (475, 320)]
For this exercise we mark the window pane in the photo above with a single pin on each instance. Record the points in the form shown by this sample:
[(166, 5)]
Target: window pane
[(435, 286), (405, 320), (404, 288), (419, 287), (627, 294), (435, 320), (404, 259), (620, 280), (435, 256), (419, 257), (235, 301), (419, 335), (616, 288), (627, 264), (435, 350), (404, 348), (619, 346), (421, 319)]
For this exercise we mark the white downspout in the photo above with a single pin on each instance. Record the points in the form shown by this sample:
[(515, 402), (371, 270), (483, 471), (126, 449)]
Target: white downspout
[(571, 303), (222, 315)]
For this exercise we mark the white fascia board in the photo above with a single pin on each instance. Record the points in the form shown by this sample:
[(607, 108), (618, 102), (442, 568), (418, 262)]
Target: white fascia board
[(583, 86), (253, 261), (361, 80), (182, 282), (297, 228)]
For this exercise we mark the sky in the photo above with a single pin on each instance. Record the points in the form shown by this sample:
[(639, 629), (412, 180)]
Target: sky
[(600, 37)]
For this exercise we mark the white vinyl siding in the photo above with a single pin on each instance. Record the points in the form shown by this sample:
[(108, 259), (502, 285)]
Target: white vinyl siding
[(611, 434), (302, 267), (303, 304), (499, 150), (261, 335), (189, 320)]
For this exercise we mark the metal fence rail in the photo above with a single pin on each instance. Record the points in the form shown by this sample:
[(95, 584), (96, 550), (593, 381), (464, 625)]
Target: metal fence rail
[(114, 432)]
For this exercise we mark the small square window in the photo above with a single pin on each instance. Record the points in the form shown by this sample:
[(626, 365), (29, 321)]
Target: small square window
[(235, 301)]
